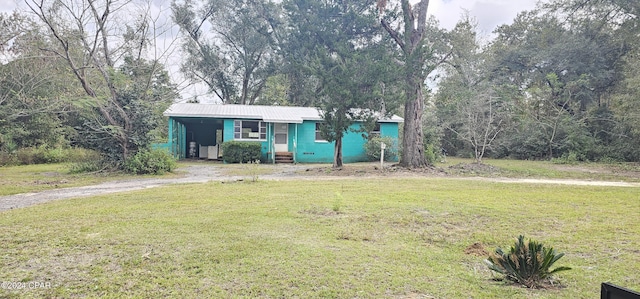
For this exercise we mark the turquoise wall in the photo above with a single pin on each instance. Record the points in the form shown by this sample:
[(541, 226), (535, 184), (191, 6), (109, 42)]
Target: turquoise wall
[(306, 148), (311, 151)]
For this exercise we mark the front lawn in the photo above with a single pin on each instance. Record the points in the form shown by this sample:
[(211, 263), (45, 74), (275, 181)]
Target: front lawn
[(342, 238), (42, 177)]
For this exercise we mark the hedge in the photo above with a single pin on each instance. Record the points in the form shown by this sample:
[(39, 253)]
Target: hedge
[(241, 151)]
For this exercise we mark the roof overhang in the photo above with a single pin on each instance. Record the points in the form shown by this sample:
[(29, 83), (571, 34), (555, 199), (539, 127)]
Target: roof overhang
[(272, 114)]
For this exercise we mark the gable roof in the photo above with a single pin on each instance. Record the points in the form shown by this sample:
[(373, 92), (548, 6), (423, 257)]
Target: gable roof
[(273, 114)]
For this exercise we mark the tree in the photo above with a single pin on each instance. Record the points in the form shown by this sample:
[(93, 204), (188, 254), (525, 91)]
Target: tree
[(464, 101), (94, 38), (562, 71), (333, 44), (228, 46), (32, 88), (614, 25), (418, 60), (481, 119)]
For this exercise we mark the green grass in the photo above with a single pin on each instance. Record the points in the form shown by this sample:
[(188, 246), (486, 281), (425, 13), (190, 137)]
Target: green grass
[(387, 238), (629, 172), (41, 177)]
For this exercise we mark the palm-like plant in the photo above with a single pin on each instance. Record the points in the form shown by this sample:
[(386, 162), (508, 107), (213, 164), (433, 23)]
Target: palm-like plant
[(527, 263)]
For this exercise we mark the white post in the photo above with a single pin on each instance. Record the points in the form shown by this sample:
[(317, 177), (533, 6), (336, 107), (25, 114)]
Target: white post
[(382, 147)]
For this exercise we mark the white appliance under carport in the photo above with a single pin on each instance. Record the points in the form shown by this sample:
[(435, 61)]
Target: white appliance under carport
[(211, 152)]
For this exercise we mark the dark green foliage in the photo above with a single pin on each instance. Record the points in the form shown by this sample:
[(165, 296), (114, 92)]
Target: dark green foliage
[(41, 155), (241, 151), (526, 263), (335, 50), (431, 153), (150, 162), (372, 148), (235, 56), (432, 136), (85, 160), (32, 114)]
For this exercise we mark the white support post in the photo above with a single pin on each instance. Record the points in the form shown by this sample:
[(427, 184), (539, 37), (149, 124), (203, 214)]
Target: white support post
[(382, 147)]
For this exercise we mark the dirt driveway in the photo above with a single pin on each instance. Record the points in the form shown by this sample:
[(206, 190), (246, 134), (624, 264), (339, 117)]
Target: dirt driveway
[(208, 173), (193, 174)]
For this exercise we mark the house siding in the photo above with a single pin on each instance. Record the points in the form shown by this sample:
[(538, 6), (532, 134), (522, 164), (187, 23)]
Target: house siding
[(301, 139), (264, 144), (311, 151)]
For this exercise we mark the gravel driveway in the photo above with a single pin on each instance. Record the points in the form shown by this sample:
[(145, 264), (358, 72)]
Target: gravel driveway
[(194, 174)]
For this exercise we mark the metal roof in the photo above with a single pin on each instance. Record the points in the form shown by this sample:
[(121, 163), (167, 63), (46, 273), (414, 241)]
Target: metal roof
[(273, 114)]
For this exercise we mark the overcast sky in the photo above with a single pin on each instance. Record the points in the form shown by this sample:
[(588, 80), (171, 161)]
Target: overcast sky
[(488, 13)]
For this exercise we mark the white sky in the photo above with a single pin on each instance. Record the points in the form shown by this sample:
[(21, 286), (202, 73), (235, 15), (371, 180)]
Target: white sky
[(488, 13), (7, 5)]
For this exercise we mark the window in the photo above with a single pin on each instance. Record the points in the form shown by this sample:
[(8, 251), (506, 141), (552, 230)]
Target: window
[(376, 130), (318, 132), (249, 129)]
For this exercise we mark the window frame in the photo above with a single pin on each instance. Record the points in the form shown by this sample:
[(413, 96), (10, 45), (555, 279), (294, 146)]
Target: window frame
[(378, 132), (318, 133), (238, 126)]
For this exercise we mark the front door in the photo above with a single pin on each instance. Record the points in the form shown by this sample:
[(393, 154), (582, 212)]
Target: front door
[(281, 137)]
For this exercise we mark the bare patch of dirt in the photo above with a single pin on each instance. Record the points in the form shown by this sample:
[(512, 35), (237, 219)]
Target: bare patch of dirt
[(50, 173), (60, 182), (474, 169), (319, 211), (372, 170), (476, 249), (414, 295)]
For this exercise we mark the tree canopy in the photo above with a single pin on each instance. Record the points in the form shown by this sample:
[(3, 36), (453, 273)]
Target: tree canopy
[(558, 82)]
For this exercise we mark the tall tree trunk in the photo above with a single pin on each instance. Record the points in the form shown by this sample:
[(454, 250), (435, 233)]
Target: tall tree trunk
[(337, 153), (412, 136), (412, 45)]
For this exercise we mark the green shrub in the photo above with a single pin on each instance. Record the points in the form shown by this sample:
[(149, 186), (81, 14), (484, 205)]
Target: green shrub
[(431, 154), (45, 154), (7, 158), (569, 158), (78, 155), (27, 156), (372, 148), (54, 155), (150, 162), (241, 151), (527, 263)]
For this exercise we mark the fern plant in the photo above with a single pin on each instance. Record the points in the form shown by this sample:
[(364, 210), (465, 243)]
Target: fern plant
[(526, 263)]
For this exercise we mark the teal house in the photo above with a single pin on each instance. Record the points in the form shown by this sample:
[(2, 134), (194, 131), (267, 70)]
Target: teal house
[(286, 134)]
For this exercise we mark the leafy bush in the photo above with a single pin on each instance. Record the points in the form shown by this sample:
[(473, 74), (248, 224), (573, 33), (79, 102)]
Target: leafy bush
[(372, 148), (86, 160), (78, 155), (150, 162), (431, 154), (527, 263), (569, 158), (241, 151), (41, 155), (45, 154), (7, 159)]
